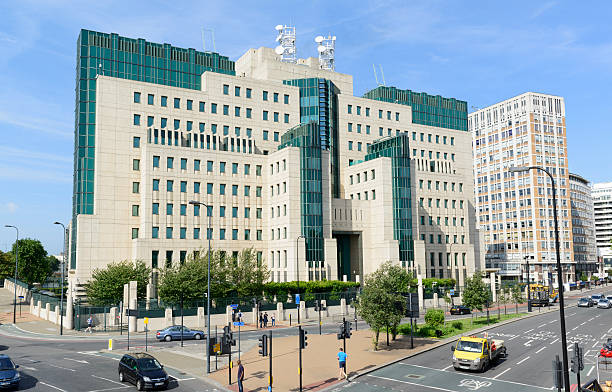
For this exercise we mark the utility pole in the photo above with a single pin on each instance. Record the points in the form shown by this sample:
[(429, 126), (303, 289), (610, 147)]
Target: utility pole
[(62, 282), (182, 320), (297, 271), (302, 345), (528, 285), (15, 282)]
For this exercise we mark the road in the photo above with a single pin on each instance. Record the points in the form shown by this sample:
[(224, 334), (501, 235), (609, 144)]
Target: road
[(532, 345)]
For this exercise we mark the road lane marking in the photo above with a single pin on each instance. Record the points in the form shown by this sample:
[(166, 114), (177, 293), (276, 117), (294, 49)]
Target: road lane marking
[(575, 328), (570, 315), (28, 368), (110, 389), (610, 330), (583, 323), (77, 360), (543, 325), (407, 382), (592, 318), (448, 367), (590, 371), (529, 330), (61, 367), (528, 343), (108, 379), (52, 386), (603, 337), (540, 350), (595, 344), (189, 378), (501, 373), (523, 360), (553, 321), (554, 341)]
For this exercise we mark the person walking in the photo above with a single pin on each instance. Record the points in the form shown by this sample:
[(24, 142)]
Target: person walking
[(342, 364), (266, 320), (240, 376), (261, 318), (239, 315), (90, 324), (273, 320)]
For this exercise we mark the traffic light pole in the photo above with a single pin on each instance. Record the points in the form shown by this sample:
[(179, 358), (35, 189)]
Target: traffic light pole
[(229, 373), (270, 353), (300, 346), (344, 340), (319, 317)]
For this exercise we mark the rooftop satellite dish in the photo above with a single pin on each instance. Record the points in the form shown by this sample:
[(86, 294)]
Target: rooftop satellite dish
[(279, 27), (279, 37), (321, 48), (319, 39), (279, 50), (334, 38)]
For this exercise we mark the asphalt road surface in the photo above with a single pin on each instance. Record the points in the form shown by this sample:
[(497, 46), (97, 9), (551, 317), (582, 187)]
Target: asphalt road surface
[(532, 344)]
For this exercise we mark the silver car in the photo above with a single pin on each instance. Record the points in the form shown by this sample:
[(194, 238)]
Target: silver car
[(604, 304)]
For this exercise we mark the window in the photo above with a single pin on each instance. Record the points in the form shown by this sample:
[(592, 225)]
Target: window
[(234, 168), (136, 97), (258, 213), (183, 186), (350, 145), (249, 113), (164, 101), (183, 233), (258, 191), (135, 187), (209, 211), (234, 212), (150, 121), (225, 89), (135, 210), (234, 190), (221, 234), (367, 129), (222, 211), (196, 187), (155, 232), (169, 232), (237, 111), (213, 108), (276, 136), (226, 110), (367, 112), (209, 166), (286, 118), (237, 131), (170, 163), (349, 109), (202, 106), (164, 122), (169, 207), (177, 103), (359, 110), (209, 188), (155, 184), (265, 95), (134, 233), (249, 93), (247, 190), (358, 128), (189, 125), (275, 116), (275, 97), (350, 127), (237, 91), (222, 189), (196, 210), (258, 170), (265, 135), (258, 235), (221, 167), (137, 119), (177, 125), (136, 142), (358, 146), (196, 233), (265, 115), (196, 165), (189, 104), (183, 163), (136, 164), (286, 99), (169, 185), (247, 212), (234, 234)]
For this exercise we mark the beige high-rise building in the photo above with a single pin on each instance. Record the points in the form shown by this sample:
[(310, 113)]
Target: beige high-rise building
[(583, 227), (514, 211), (287, 159)]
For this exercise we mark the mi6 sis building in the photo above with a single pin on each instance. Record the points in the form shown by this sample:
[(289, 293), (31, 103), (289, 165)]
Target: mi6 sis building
[(285, 159)]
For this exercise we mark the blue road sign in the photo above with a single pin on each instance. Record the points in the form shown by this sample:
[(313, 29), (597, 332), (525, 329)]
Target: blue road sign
[(234, 306), (238, 323), (452, 291), (297, 299)]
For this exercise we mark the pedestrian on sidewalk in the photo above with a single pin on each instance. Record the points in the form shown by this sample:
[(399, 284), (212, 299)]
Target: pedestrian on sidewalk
[(265, 320), (90, 324), (342, 364), (261, 318), (273, 320), (240, 376), (239, 315)]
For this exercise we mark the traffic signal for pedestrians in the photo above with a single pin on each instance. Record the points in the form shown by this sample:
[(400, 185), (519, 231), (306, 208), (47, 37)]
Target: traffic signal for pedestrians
[(341, 332), (347, 329), (577, 363), (303, 338), (263, 345)]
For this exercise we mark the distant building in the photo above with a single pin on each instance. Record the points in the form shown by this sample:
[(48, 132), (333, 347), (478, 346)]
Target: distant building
[(514, 211), (583, 227), (602, 200), (288, 160)]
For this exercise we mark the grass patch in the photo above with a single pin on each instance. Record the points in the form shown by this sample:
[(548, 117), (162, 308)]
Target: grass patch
[(454, 327)]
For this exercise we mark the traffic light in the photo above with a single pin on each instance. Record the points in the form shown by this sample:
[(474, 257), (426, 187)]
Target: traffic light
[(317, 305), (347, 329), (303, 338), (341, 332), (263, 345), (232, 341)]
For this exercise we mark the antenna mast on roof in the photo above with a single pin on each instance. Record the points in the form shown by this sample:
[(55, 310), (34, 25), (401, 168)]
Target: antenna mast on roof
[(376, 75), (212, 34), (286, 43), (382, 74), (327, 49)]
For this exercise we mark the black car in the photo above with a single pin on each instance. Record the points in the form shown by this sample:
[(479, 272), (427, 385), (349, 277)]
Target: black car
[(143, 370), (9, 376), (460, 309)]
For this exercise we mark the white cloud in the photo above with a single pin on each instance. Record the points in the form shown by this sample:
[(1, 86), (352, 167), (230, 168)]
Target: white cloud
[(542, 9), (10, 207)]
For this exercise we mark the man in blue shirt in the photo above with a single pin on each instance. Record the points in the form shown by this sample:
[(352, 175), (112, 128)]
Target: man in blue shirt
[(342, 364), (240, 376)]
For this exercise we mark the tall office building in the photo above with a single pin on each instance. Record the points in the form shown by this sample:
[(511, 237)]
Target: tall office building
[(583, 227), (602, 200), (514, 211), (287, 159)]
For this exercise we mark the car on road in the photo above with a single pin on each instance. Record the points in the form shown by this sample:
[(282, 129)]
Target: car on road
[(9, 376), (604, 304), (595, 298), (174, 333), (585, 302), (460, 309), (474, 353), (609, 297), (144, 371)]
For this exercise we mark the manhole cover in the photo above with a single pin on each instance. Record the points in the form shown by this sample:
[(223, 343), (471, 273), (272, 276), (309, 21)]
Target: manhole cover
[(414, 376)]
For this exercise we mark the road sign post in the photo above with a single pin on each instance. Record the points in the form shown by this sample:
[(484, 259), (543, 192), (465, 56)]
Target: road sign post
[(238, 324), (297, 302), (270, 353), (146, 324)]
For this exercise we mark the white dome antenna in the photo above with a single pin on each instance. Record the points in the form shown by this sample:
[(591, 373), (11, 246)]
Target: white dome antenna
[(326, 46), (286, 43)]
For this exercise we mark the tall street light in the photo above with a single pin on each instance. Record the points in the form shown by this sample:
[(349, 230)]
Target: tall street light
[(528, 285), (297, 269), (62, 281), (208, 235), (16, 262), (524, 169)]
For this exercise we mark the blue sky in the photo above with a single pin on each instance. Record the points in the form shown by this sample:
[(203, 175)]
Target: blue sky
[(479, 51)]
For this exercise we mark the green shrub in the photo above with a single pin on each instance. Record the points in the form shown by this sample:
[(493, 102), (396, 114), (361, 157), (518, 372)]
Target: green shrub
[(434, 318), (427, 331), (458, 325)]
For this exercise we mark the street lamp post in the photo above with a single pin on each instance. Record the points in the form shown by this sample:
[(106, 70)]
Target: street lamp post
[(528, 285), (297, 270), (62, 281), (15, 283), (208, 235), (524, 169)]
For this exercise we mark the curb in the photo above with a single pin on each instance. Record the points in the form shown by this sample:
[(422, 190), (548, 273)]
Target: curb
[(440, 344)]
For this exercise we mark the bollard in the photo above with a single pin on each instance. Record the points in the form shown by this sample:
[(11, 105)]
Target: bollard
[(110, 344)]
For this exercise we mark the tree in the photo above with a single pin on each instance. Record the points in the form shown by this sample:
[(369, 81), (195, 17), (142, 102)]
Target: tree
[(380, 304), (7, 265), (517, 296), (246, 274), (476, 293), (106, 285), (434, 318), (33, 265)]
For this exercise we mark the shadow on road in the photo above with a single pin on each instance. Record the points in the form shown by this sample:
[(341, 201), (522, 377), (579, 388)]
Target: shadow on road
[(27, 382)]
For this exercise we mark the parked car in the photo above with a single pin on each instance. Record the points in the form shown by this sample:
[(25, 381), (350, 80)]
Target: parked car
[(585, 302), (143, 370), (604, 304), (460, 309), (174, 333), (609, 297), (9, 376)]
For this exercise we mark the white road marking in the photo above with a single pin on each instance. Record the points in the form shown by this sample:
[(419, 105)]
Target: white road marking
[(595, 344), (501, 373), (189, 378), (523, 360), (583, 323), (591, 371), (543, 325), (409, 383), (28, 368), (61, 367), (570, 315), (110, 389), (108, 379), (554, 341), (553, 321), (76, 360), (591, 319), (610, 330), (448, 367), (514, 337), (575, 328), (529, 330), (93, 353), (528, 343), (52, 386), (540, 349), (603, 337)]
